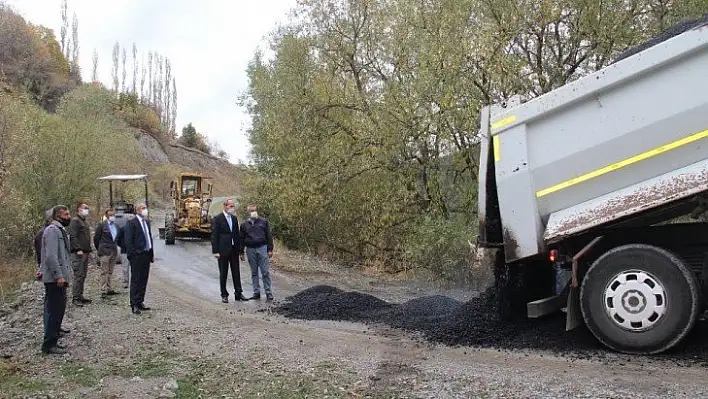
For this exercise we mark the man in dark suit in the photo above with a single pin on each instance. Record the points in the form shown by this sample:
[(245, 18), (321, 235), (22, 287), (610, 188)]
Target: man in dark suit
[(138, 244), (225, 245)]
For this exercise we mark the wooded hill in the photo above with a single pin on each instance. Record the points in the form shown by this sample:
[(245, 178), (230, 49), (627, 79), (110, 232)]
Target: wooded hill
[(58, 134)]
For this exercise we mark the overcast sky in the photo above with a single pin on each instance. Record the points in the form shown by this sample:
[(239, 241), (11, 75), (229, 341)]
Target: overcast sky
[(208, 42)]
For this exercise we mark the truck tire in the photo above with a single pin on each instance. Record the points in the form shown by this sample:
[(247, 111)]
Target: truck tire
[(169, 230), (639, 299)]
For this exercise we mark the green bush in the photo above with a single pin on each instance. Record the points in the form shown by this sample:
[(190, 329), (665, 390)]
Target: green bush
[(441, 246), (138, 115), (56, 158)]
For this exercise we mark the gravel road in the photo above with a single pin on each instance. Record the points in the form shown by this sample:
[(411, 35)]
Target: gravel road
[(192, 345)]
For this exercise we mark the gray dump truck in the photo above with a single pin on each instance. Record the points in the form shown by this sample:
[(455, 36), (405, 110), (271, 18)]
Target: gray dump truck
[(580, 191)]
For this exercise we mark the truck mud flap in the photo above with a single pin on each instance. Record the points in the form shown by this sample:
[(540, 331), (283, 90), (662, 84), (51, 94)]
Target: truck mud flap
[(574, 316)]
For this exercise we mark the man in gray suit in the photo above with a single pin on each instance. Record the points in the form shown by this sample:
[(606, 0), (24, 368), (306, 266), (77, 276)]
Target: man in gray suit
[(54, 269)]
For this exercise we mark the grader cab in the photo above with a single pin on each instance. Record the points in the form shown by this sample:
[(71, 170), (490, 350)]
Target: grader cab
[(188, 217)]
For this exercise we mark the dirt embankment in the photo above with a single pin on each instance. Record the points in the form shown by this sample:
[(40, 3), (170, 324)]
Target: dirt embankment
[(164, 160)]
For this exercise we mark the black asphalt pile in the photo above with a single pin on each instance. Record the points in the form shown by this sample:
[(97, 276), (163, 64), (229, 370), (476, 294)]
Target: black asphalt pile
[(421, 314), (670, 32), (323, 302), (439, 319)]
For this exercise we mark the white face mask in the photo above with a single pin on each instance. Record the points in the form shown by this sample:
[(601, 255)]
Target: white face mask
[(144, 213), (254, 215), (112, 219), (84, 212)]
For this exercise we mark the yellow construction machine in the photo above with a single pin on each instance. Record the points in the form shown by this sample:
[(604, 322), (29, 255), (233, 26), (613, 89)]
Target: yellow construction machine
[(188, 217)]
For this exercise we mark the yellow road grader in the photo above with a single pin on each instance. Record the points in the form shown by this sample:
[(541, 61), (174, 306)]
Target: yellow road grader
[(188, 216)]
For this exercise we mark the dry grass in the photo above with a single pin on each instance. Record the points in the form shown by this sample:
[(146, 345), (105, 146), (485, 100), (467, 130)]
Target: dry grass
[(287, 260), (14, 272)]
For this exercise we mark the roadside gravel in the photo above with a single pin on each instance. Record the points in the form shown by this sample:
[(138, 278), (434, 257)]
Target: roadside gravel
[(189, 347)]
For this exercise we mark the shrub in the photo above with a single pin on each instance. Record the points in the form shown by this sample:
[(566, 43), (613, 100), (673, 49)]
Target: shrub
[(441, 246)]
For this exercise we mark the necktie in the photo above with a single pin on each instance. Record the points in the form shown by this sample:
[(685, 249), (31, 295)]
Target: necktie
[(147, 235)]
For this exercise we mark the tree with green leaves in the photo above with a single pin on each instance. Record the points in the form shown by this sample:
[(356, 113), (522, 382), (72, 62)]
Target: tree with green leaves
[(189, 136)]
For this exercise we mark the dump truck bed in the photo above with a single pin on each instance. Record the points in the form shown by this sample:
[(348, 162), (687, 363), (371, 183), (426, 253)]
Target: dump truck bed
[(622, 141)]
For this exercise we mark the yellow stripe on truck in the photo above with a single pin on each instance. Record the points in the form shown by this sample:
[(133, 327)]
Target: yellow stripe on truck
[(623, 163), (503, 122), (497, 148)]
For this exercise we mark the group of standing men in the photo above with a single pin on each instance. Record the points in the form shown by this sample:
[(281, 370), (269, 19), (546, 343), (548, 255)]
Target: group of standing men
[(64, 249), (231, 241)]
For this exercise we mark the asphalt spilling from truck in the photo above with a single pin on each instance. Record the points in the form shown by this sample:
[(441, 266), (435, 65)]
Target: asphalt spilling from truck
[(443, 320)]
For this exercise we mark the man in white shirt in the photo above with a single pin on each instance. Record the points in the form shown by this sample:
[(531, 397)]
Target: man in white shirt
[(225, 246), (138, 244)]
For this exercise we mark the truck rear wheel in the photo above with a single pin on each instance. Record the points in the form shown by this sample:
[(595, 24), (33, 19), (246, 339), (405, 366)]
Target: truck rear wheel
[(639, 299)]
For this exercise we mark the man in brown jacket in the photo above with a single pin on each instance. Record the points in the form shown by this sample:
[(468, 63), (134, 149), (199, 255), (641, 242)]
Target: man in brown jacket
[(80, 239)]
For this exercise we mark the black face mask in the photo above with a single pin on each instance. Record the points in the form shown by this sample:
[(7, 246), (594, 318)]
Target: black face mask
[(64, 222)]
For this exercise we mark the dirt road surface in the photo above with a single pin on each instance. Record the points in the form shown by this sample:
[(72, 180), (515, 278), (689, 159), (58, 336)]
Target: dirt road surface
[(191, 345)]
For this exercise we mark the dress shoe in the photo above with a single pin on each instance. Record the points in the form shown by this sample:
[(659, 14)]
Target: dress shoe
[(85, 300), (111, 292), (135, 310), (64, 330), (256, 296), (142, 307), (226, 299), (240, 297), (77, 303), (269, 297), (54, 351)]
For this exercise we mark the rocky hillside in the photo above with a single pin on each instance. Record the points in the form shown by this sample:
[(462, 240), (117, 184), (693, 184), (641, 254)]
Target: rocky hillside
[(165, 160)]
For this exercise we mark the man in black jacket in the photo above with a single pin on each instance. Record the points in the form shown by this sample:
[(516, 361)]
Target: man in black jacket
[(104, 239), (80, 240), (225, 245), (258, 245), (138, 244)]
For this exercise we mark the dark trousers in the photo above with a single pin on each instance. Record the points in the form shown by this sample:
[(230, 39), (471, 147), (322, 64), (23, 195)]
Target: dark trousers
[(80, 266), (139, 273), (224, 263), (54, 308)]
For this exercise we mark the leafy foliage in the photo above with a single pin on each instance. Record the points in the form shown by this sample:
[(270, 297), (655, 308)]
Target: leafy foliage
[(31, 59), (193, 139), (364, 122), (56, 158), (138, 115)]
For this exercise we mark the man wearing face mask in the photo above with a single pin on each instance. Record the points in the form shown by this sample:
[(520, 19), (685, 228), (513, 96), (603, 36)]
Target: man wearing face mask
[(138, 244), (80, 238), (104, 239), (225, 245), (54, 269), (258, 244)]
